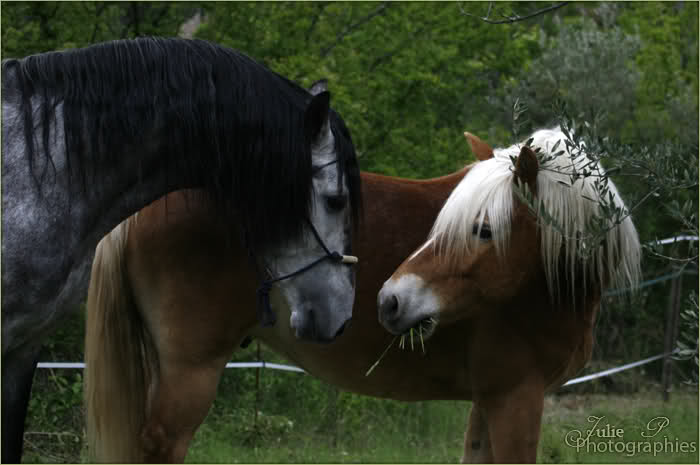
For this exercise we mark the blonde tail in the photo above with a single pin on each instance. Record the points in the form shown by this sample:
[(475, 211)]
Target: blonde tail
[(120, 359)]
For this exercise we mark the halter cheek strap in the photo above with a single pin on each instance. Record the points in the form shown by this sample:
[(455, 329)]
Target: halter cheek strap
[(265, 314)]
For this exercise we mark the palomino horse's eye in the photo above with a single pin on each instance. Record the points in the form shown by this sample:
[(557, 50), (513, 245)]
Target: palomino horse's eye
[(485, 233), (336, 202)]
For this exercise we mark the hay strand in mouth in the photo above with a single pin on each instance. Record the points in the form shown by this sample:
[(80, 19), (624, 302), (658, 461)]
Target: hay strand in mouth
[(381, 357), (420, 333), (427, 323)]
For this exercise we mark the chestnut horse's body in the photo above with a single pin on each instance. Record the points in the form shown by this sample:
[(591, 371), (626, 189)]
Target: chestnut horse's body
[(171, 279), (195, 291)]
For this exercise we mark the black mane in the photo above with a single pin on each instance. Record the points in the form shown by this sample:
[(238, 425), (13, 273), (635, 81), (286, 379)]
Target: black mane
[(223, 121)]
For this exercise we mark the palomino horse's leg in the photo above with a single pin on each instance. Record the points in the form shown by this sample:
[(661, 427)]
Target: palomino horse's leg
[(513, 420), (180, 402), (477, 444)]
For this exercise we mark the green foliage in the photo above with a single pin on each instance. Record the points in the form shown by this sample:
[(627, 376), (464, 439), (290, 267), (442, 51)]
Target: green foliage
[(408, 78), (639, 78), (669, 57), (687, 345), (54, 428), (580, 69), (35, 27)]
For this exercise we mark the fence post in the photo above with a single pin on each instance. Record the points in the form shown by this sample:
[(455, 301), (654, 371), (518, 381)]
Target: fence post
[(335, 392), (257, 389), (672, 314)]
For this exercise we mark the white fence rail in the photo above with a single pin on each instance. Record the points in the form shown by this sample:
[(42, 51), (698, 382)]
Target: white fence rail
[(278, 366)]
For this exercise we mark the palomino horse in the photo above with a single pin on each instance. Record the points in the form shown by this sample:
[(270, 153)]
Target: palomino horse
[(91, 136), (517, 288), (169, 281)]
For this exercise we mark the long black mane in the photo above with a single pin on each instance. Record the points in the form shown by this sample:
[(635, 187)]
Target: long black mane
[(223, 122)]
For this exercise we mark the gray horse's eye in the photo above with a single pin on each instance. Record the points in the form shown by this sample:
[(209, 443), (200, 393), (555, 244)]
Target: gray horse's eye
[(484, 234), (336, 202)]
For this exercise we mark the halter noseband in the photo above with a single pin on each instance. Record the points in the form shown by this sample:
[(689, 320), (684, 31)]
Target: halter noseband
[(265, 313)]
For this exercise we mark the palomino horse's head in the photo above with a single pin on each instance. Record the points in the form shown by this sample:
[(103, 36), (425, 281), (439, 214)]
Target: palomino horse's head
[(313, 272), (489, 250)]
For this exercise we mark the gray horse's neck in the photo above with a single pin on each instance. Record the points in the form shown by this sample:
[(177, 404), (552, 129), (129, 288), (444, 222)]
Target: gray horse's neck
[(50, 227)]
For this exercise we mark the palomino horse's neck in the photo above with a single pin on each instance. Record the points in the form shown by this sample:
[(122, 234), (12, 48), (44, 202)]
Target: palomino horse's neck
[(138, 179)]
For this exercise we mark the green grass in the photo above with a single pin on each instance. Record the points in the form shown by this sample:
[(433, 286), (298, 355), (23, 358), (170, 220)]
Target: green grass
[(432, 432), (629, 413), (303, 420), (418, 432)]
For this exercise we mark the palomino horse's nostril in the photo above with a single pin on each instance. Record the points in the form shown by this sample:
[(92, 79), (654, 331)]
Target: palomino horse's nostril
[(389, 306), (394, 304)]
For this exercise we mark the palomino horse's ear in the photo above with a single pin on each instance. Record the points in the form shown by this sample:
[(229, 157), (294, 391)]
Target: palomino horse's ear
[(481, 149), (319, 86), (526, 167), (316, 115)]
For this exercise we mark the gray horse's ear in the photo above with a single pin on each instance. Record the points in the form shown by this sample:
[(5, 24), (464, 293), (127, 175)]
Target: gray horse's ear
[(526, 167), (480, 149), (319, 86), (316, 115)]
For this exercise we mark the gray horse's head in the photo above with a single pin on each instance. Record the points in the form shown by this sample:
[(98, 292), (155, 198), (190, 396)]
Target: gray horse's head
[(320, 298)]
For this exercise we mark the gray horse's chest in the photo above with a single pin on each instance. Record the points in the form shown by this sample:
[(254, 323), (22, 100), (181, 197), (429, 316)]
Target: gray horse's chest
[(42, 271), (42, 275)]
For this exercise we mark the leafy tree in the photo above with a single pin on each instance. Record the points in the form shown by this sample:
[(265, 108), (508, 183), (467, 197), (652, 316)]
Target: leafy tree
[(669, 58), (408, 77), (582, 70), (35, 27)]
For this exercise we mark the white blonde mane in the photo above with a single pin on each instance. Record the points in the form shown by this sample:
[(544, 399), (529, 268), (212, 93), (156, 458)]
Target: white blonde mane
[(487, 194)]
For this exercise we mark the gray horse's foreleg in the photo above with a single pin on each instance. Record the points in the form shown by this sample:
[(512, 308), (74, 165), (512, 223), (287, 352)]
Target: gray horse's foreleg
[(17, 376)]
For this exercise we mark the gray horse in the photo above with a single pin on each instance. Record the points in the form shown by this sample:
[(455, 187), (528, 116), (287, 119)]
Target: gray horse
[(91, 136)]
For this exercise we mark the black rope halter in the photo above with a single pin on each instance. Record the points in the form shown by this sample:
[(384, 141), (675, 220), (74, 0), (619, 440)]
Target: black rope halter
[(265, 314)]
